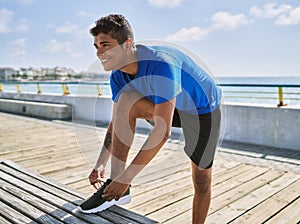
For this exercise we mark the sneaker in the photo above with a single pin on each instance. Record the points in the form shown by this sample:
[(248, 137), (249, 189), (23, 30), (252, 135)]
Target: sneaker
[(97, 204)]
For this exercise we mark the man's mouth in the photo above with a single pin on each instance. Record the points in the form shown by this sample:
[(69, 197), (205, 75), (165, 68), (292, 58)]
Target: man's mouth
[(104, 60)]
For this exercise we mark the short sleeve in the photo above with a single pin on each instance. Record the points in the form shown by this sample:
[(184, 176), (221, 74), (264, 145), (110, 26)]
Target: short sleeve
[(166, 82)]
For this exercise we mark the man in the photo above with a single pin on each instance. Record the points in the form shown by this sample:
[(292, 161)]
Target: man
[(165, 87)]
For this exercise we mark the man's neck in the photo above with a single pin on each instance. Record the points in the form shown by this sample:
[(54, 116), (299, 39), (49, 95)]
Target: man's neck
[(131, 66)]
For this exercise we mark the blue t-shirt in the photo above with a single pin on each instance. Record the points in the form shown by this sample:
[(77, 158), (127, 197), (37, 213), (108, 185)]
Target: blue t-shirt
[(164, 73)]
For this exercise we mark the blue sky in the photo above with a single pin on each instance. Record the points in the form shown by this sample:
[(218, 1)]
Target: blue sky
[(234, 38)]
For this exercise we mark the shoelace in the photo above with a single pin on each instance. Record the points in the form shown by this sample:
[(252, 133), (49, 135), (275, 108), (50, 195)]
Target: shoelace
[(105, 183)]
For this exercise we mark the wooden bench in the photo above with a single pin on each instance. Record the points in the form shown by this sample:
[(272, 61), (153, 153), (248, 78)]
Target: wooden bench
[(26, 197)]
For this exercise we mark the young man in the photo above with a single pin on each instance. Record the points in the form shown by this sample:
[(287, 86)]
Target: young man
[(165, 87)]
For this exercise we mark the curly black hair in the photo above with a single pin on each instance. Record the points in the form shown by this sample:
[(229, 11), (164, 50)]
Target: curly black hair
[(117, 26)]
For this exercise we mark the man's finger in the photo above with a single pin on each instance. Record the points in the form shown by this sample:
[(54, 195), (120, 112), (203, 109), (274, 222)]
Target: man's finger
[(108, 196), (97, 185), (94, 182)]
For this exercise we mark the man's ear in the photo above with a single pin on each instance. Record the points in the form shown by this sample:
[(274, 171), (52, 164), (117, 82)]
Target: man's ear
[(128, 44)]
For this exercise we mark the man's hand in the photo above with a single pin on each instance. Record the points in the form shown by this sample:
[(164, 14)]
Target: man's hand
[(115, 190), (96, 176)]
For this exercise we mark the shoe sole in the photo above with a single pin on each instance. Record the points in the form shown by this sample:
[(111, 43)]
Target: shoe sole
[(122, 201)]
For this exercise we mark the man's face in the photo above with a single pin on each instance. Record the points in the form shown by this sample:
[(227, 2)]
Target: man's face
[(110, 52)]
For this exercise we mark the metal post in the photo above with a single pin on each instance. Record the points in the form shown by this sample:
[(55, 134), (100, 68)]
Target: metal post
[(65, 89), (99, 90), (18, 88), (39, 89), (280, 95)]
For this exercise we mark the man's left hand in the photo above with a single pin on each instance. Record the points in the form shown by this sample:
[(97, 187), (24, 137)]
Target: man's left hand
[(115, 190)]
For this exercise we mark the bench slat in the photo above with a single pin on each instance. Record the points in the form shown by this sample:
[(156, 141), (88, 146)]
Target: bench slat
[(39, 203), (27, 209), (12, 216)]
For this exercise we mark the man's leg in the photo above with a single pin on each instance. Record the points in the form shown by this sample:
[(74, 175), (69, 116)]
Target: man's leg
[(201, 138), (202, 196), (131, 105)]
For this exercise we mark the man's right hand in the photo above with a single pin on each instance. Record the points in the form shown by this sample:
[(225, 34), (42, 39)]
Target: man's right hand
[(96, 176)]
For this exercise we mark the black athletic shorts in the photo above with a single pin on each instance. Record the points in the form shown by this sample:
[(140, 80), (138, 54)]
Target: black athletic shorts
[(201, 133)]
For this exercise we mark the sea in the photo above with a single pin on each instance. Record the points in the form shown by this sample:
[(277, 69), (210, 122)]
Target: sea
[(243, 94)]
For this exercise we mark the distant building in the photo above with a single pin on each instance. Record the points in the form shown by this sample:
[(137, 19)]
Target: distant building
[(6, 73), (56, 73)]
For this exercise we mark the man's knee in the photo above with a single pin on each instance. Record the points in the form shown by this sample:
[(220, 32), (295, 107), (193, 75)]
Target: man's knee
[(135, 105), (127, 103), (202, 186), (128, 99), (202, 181)]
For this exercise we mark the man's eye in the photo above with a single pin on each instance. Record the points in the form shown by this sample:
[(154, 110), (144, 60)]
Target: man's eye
[(95, 46)]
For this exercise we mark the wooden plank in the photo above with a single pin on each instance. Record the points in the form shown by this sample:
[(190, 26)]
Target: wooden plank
[(289, 214), (271, 206), (155, 174), (173, 210), (134, 216), (142, 189), (61, 201), (116, 218), (39, 182), (246, 203), (242, 190), (38, 152), (27, 209), (46, 207), (165, 200), (56, 196), (185, 217), (220, 178), (220, 165), (9, 215), (161, 191), (234, 180), (186, 204), (73, 174), (185, 173)]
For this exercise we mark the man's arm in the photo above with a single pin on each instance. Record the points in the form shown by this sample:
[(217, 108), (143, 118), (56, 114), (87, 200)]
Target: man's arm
[(106, 149), (163, 115), (99, 169)]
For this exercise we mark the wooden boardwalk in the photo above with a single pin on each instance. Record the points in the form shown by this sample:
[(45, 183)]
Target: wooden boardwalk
[(242, 192)]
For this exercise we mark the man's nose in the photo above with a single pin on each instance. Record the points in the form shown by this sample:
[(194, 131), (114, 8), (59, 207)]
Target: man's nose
[(100, 51)]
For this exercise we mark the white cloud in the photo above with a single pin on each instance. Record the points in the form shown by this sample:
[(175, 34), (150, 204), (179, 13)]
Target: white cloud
[(67, 28), (165, 3), (54, 46), (5, 20), (26, 1), (77, 32), (7, 24), (227, 21), (85, 14), (219, 21), (18, 43), (283, 14), (22, 26), (270, 10), (188, 34), (17, 47), (293, 18)]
